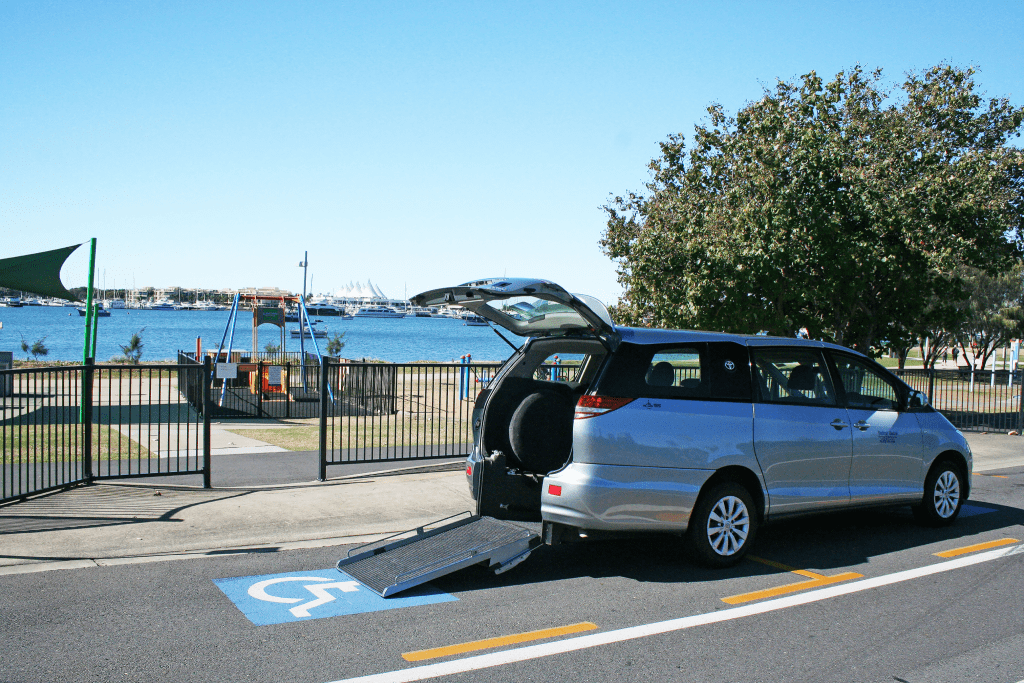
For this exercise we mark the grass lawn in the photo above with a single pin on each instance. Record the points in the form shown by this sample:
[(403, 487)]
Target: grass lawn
[(64, 443), (367, 432)]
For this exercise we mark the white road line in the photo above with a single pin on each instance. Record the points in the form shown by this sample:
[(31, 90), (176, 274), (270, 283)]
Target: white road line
[(522, 654)]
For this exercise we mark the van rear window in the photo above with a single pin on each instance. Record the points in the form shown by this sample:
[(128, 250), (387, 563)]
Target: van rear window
[(715, 370)]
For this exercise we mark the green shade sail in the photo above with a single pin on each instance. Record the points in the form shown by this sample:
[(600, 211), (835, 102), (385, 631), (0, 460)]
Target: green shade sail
[(37, 273)]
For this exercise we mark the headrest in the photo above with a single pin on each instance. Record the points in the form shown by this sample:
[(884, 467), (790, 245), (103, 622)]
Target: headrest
[(802, 378), (661, 374)]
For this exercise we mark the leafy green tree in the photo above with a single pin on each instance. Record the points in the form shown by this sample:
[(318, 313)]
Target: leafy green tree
[(133, 349), (39, 349), (272, 348), (837, 207), (994, 313), (36, 348), (335, 344)]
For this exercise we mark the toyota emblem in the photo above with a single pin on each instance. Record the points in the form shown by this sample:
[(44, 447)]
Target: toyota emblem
[(730, 366)]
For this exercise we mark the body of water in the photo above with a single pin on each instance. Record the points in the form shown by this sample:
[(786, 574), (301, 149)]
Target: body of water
[(163, 333)]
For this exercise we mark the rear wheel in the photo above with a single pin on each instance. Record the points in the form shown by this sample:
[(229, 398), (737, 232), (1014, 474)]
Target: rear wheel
[(943, 495), (722, 526)]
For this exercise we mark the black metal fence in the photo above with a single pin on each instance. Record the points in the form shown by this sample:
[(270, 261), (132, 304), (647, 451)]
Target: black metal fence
[(63, 426), (375, 412), (982, 400), (263, 386)]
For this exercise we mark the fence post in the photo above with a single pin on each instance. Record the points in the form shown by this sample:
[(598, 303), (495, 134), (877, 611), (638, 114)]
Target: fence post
[(88, 371), (286, 385), (1020, 402), (931, 385), (259, 388), (207, 409), (324, 407)]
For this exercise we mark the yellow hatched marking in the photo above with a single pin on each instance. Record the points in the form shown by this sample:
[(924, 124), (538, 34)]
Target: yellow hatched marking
[(420, 655), (815, 581), (997, 476), (976, 547)]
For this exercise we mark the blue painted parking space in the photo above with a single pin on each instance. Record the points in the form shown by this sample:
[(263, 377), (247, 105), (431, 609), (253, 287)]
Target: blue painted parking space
[(301, 596), (969, 510)]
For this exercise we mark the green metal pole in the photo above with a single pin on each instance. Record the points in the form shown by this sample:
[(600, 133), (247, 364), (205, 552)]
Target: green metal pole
[(95, 328), (88, 301), (87, 376)]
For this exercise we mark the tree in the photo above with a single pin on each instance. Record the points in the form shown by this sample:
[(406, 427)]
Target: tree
[(834, 207), (133, 349), (36, 348), (335, 344), (272, 348), (994, 313)]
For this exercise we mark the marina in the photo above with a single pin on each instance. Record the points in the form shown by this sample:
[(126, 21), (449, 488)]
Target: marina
[(398, 340)]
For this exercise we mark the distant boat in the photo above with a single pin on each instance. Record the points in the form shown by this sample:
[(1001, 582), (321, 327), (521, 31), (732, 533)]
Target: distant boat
[(308, 331), (160, 305), (378, 312), (473, 319), (100, 311)]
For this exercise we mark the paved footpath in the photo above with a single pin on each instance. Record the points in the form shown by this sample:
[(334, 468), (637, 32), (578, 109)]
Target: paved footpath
[(161, 519)]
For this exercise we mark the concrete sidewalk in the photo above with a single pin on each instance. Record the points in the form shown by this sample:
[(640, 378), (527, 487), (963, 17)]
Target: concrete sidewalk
[(120, 523)]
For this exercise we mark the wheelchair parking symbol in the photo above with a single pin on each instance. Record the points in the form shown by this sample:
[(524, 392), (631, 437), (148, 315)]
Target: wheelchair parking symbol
[(301, 596), (320, 590)]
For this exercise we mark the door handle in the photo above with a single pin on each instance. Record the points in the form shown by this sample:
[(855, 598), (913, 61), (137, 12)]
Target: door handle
[(862, 426), (838, 424)]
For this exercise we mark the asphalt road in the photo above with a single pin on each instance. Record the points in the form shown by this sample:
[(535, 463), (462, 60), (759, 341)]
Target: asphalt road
[(912, 616)]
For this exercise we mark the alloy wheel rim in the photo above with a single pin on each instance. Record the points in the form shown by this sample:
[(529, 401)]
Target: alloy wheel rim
[(947, 494), (728, 526)]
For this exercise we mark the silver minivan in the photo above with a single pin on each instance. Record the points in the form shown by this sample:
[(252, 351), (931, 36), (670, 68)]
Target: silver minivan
[(599, 430)]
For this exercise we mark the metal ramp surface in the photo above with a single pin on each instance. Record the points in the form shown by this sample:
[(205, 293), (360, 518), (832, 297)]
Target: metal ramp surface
[(402, 563)]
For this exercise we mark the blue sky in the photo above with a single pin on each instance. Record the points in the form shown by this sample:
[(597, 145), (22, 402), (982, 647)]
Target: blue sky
[(414, 144)]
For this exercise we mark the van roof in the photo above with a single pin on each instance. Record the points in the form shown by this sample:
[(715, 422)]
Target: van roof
[(643, 335)]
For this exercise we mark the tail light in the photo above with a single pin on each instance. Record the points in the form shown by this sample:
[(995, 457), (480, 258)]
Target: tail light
[(592, 406)]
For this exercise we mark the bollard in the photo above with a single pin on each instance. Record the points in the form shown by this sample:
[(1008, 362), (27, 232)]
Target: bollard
[(462, 377)]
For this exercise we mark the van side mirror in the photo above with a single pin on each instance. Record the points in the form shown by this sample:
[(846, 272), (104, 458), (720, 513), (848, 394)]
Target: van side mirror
[(917, 400)]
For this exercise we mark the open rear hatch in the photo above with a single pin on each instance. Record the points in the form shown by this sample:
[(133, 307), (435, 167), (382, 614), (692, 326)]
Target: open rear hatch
[(402, 561), (528, 307)]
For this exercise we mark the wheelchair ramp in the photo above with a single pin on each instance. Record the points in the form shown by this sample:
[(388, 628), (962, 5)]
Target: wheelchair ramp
[(401, 563)]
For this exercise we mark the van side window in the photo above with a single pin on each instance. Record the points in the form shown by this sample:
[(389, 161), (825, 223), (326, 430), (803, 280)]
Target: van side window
[(793, 375), (676, 373), (865, 388), (662, 371), (561, 367), (728, 371)]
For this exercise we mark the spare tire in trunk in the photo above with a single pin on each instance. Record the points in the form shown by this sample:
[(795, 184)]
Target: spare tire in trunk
[(540, 431)]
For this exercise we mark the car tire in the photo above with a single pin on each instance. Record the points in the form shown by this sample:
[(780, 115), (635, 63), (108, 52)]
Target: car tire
[(722, 526), (540, 431), (943, 495)]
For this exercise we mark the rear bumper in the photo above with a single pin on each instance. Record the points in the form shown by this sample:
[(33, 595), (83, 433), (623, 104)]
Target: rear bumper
[(474, 474), (619, 498)]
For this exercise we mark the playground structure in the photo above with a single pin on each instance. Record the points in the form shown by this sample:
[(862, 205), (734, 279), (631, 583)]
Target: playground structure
[(263, 379)]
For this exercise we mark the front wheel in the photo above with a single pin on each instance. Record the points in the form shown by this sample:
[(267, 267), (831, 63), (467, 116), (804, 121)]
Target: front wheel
[(943, 495), (722, 526)]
